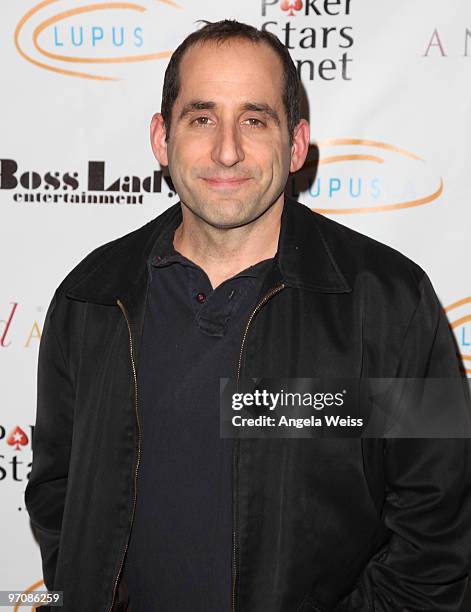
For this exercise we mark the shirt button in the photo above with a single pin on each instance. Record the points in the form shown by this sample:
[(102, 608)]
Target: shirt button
[(200, 297)]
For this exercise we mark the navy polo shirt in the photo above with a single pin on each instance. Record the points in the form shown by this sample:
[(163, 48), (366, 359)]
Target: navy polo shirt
[(180, 549)]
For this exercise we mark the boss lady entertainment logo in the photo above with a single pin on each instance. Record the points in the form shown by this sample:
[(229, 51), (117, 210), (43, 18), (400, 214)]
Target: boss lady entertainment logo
[(94, 40), (70, 187)]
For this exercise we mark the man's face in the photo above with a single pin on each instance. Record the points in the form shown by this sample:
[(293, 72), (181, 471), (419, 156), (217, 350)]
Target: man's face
[(228, 151)]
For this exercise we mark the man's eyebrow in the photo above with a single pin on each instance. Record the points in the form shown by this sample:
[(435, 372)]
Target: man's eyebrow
[(256, 107), (196, 105)]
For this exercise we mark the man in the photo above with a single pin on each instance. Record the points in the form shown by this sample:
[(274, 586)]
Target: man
[(137, 502)]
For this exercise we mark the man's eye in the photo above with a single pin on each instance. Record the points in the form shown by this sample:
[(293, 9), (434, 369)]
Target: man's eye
[(254, 122), (201, 121)]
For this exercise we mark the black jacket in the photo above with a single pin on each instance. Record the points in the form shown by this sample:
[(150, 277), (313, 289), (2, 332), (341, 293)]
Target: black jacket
[(328, 524)]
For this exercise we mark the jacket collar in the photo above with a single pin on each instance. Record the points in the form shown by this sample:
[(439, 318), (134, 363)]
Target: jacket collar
[(304, 258)]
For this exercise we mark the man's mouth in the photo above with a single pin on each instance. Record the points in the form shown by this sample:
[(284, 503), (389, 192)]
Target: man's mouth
[(225, 183)]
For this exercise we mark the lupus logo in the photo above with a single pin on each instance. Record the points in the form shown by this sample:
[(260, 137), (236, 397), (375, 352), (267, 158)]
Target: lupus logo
[(459, 315), (364, 176), (94, 40)]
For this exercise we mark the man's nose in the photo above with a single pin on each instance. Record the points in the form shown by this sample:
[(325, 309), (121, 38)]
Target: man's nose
[(227, 149)]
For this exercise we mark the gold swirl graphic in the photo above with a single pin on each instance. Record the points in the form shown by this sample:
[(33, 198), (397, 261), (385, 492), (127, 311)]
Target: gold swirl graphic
[(30, 589), (335, 142)]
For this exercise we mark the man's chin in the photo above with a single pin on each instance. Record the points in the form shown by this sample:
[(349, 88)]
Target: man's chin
[(224, 213), (227, 212), (227, 222)]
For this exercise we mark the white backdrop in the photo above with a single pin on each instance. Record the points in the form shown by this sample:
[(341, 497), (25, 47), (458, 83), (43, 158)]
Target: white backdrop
[(390, 110)]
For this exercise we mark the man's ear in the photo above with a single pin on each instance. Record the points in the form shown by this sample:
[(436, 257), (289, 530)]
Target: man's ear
[(158, 140), (300, 145)]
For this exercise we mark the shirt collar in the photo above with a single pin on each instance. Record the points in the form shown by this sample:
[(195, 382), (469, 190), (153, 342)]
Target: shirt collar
[(305, 256), (164, 254)]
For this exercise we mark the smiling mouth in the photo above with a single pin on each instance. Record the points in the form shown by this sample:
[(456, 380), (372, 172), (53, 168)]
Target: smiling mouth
[(226, 183)]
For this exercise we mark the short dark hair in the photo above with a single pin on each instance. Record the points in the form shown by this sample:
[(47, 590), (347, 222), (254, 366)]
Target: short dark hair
[(221, 31)]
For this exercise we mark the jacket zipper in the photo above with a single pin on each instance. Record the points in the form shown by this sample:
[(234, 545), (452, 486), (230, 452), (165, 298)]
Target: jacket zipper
[(133, 365), (262, 302)]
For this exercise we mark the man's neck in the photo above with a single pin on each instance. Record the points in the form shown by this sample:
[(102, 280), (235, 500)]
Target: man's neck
[(223, 253)]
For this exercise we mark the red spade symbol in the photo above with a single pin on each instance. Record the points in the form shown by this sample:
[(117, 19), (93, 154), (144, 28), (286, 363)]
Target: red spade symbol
[(286, 5), (17, 437)]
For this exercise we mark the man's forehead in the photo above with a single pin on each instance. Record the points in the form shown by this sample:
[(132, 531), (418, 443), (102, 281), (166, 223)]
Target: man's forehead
[(233, 58), (210, 69)]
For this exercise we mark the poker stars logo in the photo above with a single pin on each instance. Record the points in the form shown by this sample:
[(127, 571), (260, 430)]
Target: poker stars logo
[(317, 33), (17, 438), (15, 444), (355, 175), (290, 7), (459, 316), (96, 40)]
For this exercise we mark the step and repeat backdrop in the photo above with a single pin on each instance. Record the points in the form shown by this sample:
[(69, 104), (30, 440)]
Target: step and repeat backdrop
[(389, 101)]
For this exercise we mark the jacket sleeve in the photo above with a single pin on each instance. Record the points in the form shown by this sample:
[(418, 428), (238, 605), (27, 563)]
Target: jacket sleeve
[(46, 489), (427, 507)]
